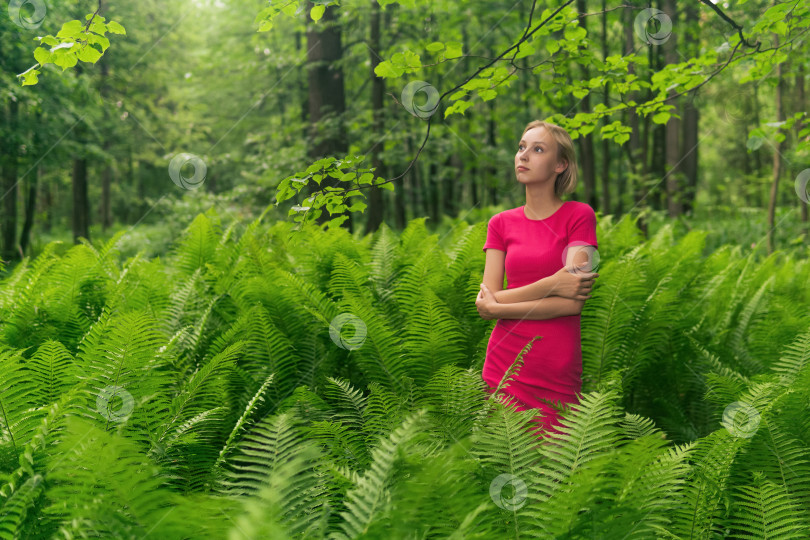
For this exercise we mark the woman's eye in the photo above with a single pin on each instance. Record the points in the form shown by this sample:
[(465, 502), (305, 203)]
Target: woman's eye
[(537, 148), (520, 147)]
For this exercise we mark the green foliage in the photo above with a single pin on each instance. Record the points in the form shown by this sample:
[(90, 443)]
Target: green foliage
[(215, 393), (74, 42)]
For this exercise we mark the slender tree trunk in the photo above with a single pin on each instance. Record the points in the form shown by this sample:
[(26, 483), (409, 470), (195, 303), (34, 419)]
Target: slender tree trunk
[(375, 195), (673, 148), (105, 213), (691, 121), (433, 191), (10, 160), (32, 182), (450, 184), (491, 171), (777, 156), (637, 144), (81, 210), (327, 99), (587, 158), (606, 206), (417, 205), (801, 97)]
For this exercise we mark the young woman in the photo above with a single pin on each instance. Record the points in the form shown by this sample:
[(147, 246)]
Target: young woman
[(545, 248)]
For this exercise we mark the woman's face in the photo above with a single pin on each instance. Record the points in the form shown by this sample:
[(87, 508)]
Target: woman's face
[(536, 157)]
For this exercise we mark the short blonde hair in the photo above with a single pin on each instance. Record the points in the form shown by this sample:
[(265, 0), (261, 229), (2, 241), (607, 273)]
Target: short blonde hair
[(567, 180)]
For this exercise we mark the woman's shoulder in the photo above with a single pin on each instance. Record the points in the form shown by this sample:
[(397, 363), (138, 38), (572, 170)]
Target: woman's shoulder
[(579, 205), (509, 213), (580, 208)]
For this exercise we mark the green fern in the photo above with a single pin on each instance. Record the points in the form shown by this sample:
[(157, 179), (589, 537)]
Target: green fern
[(764, 510)]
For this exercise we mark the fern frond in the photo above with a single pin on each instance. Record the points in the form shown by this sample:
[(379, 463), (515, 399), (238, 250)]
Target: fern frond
[(198, 243), (588, 431), (15, 508), (370, 498), (201, 391), (763, 509), (265, 448), (433, 338), (258, 398), (794, 358), (52, 370)]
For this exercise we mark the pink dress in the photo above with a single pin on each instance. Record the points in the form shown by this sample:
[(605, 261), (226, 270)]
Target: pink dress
[(552, 368)]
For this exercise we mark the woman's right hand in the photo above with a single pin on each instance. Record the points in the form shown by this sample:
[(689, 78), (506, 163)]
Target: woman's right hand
[(574, 283)]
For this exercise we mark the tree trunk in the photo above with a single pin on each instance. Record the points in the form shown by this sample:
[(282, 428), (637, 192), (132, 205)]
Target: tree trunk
[(777, 156), (8, 220), (606, 207), (637, 145), (375, 195), (105, 213), (81, 207), (327, 99), (802, 106), (691, 120), (672, 142), (588, 168), (30, 210)]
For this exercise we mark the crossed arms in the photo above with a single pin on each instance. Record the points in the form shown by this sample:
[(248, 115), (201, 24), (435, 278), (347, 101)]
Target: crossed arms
[(558, 295)]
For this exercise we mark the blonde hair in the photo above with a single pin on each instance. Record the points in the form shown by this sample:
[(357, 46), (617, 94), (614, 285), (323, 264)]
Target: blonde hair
[(567, 180)]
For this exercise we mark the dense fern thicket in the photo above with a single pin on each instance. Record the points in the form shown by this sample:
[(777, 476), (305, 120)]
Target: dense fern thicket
[(265, 383)]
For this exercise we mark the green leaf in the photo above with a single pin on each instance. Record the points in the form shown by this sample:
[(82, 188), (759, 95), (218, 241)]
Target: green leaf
[(435, 46), (98, 27), (358, 206), (30, 77), (661, 118), (552, 46), (525, 49), (103, 42), (290, 8), (70, 29), (116, 28), (457, 107), (65, 60), (487, 94), (317, 12), (453, 49), (574, 33), (43, 56), (753, 143), (89, 54), (386, 69), (579, 93), (49, 40)]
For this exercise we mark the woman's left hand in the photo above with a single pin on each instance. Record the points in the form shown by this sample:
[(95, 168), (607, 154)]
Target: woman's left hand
[(486, 304)]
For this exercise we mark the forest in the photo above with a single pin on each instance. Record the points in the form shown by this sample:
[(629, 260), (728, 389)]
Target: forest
[(241, 243)]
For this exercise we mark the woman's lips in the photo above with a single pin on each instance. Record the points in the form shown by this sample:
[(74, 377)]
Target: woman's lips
[(522, 169)]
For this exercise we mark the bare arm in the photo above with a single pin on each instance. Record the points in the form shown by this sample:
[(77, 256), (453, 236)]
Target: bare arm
[(541, 288), (537, 300), (537, 310), (493, 278)]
